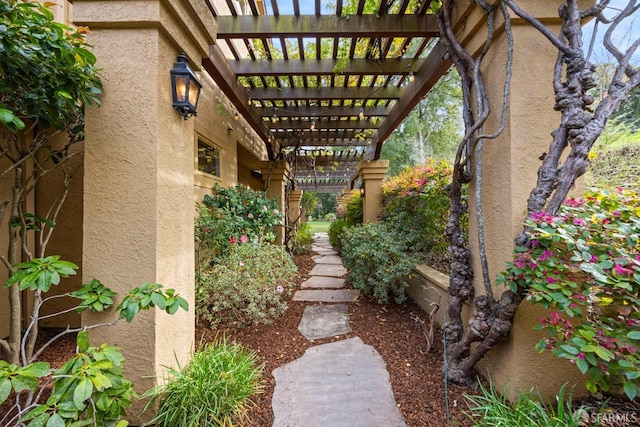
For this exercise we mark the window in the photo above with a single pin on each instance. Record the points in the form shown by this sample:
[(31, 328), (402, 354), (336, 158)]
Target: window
[(208, 158)]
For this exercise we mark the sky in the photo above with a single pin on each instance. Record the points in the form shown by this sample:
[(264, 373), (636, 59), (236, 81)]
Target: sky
[(622, 37)]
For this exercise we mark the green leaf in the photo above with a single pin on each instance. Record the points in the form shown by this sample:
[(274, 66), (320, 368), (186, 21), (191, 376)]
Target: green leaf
[(634, 335), (55, 421), (6, 116), (582, 365), (631, 390), (82, 392), (83, 341), (604, 354), (5, 389), (158, 300), (35, 412), (37, 369), (570, 349), (591, 386), (39, 421), (21, 383)]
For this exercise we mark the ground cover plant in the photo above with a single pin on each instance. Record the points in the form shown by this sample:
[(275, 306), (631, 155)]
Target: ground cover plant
[(248, 285), (216, 388), (584, 265)]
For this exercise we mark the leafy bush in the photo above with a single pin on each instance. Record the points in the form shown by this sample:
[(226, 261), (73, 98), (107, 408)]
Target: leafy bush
[(354, 214), (233, 215), (416, 203), (329, 216), (301, 239), (377, 261), (246, 286), (490, 408), (336, 228), (584, 265), (90, 388), (214, 389)]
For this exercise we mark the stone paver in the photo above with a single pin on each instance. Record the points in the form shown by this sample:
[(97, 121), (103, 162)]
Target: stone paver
[(328, 259), (340, 384), (331, 270), (324, 321), (327, 295), (323, 282)]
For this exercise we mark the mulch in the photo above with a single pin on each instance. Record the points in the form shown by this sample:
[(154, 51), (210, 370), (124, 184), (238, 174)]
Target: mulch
[(416, 375)]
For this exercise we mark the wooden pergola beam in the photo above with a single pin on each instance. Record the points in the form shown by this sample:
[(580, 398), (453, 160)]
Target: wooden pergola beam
[(218, 67), (329, 26), (327, 94), (325, 66), (321, 124), (323, 111)]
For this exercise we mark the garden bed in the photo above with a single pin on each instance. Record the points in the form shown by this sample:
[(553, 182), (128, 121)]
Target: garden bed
[(416, 376)]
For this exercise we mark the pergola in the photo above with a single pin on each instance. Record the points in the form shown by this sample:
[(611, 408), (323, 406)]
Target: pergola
[(325, 91)]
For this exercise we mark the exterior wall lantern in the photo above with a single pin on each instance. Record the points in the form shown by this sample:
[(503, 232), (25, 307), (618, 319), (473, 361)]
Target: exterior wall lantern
[(185, 88)]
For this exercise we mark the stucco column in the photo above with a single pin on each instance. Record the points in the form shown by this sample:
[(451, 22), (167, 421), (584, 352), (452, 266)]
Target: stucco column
[(372, 173), (275, 176), (510, 164), (294, 214), (139, 177)]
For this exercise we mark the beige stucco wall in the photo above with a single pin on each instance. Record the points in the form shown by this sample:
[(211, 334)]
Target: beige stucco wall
[(139, 174), (239, 145)]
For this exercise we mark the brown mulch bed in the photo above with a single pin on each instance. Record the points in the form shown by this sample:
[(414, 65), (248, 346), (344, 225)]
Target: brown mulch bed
[(416, 375)]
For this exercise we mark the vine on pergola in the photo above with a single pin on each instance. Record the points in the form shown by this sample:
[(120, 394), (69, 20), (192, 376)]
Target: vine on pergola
[(581, 123)]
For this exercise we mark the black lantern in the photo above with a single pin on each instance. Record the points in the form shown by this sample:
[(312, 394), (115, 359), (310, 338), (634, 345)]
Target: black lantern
[(185, 87)]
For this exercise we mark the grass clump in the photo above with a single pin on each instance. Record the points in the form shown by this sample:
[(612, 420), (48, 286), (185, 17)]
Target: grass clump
[(215, 389), (491, 408)]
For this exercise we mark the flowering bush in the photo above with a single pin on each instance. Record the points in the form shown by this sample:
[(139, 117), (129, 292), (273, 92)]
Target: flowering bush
[(584, 265), (377, 261), (246, 286), (416, 203), (230, 216)]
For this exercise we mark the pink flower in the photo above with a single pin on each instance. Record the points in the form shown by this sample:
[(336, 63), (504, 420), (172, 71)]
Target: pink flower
[(581, 356), (233, 240), (243, 239), (579, 221), (250, 216), (621, 271), (279, 289), (545, 255), (551, 280)]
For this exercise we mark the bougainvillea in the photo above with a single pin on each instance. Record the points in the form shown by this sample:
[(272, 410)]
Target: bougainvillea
[(584, 266)]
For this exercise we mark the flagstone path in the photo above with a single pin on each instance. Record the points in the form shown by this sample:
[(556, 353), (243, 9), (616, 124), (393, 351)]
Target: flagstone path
[(342, 383)]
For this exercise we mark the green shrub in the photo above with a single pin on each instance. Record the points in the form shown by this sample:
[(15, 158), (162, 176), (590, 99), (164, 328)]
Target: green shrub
[(301, 239), (353, 213), (336, 228), (377, 261), (491, 408), (329, 216), (214, 389), (246, 286), (416, 203), (584, 266), (233, 215)]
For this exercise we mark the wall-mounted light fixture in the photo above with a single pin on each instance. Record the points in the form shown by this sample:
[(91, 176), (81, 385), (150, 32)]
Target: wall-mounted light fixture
[(362, 190), (185, 87)]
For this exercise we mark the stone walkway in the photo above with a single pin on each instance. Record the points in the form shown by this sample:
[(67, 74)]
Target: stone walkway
[(343, 383)]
